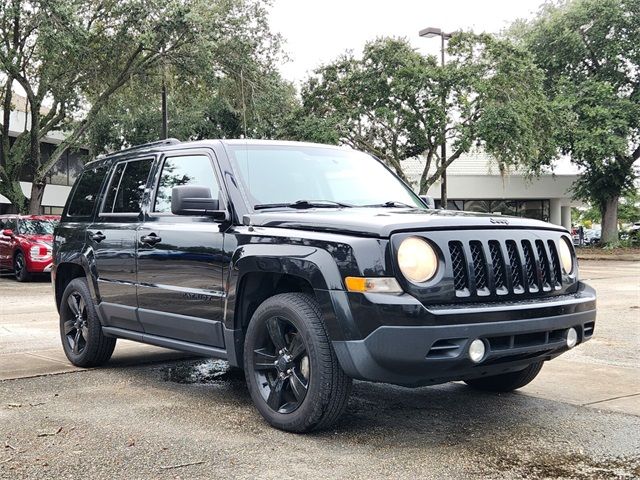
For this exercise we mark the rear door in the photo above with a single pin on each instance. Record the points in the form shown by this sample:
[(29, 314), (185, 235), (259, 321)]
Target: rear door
[(113, 239), (180, 258)]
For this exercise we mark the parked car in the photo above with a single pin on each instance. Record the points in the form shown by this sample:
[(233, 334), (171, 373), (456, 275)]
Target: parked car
[(592, 236), (308, 266), (26, 244), (575, 237)]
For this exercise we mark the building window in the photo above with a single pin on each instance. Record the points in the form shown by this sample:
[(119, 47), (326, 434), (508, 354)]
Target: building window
[(537, 209), (67, 168)]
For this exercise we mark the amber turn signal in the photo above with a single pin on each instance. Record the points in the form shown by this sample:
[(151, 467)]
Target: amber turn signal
[(372, 285)]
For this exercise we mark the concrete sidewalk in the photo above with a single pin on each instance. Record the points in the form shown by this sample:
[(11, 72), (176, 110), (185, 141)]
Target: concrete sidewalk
[(52, 361)]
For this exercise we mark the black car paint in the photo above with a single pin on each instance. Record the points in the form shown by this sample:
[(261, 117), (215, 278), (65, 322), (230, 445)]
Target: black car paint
[(318, 247)]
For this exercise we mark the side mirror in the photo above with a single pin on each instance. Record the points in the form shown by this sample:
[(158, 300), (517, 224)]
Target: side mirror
[(428, 201), (7, 232), (196, 200)]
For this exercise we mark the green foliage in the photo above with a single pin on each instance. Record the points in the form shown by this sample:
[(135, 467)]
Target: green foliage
[(629, 207), (227, 86), (397, 104), (590, 53), (75, 56)]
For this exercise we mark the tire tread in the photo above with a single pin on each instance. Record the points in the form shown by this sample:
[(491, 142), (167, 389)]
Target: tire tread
[(334, 394), (99, 348)]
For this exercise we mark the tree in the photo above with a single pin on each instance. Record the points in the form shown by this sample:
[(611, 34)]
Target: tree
[(73, 56), (389, 102), (590, 53), (228, 87)]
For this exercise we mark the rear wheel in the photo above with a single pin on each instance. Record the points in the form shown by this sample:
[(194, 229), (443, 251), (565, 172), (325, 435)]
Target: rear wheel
[(20, 268), (292, 372), (82, 339), (506, 382)]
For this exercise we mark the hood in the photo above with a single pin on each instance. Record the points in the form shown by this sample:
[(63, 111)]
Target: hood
[(382, 222), (48, 239)]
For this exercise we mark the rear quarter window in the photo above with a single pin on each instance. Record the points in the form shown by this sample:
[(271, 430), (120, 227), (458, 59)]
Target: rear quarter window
[(86, 192)]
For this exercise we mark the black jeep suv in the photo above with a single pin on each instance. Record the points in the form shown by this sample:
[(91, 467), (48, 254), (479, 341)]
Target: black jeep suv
[(308, 266)]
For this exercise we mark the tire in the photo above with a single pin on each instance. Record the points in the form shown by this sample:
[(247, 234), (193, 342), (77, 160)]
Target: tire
[(20, 268), (297, 395), (80, 331), (506, 382)]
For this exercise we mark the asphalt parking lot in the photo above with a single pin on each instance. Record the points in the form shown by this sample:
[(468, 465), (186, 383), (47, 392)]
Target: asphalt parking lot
[(158, 414)]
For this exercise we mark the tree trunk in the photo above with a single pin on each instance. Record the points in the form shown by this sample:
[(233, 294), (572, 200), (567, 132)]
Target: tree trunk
[(13, 192), (609, 211), (37, 192)]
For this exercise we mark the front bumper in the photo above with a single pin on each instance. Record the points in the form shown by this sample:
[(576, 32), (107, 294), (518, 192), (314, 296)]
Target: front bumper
[(432, 346), (39, 266)]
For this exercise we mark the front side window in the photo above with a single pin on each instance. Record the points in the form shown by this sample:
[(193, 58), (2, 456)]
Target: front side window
[(279, 175), (86, 192), (187, 170), (127, 186)]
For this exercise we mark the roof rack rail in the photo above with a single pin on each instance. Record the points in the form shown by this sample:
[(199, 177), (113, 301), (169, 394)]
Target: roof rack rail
[(167, 141)]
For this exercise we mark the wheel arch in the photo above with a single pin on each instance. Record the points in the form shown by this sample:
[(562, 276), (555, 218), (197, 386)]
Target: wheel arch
[(66, 272), (260, 271)]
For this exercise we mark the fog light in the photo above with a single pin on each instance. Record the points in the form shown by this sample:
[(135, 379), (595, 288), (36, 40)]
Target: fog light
[(572, 337), (477, 350)]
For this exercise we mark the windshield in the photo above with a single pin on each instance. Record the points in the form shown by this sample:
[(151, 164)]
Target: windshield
[(317, 176), (36, 227)]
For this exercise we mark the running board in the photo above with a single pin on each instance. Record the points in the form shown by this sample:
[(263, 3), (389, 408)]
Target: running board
[(165, 342)]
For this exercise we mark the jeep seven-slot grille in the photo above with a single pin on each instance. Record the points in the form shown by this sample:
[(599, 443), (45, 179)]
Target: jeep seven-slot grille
[(493, 267), (459, 266), (479, 268)]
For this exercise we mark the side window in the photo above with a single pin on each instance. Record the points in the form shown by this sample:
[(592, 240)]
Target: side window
[(188, 170), (126, 189), (86, 192)]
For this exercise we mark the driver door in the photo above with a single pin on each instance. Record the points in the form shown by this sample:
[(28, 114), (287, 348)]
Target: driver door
[(180, 258)]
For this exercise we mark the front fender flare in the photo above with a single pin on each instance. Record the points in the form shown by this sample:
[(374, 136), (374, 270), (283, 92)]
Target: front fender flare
[(312, 264)]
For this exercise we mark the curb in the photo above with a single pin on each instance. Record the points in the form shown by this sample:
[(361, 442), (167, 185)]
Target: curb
[(628, 257)]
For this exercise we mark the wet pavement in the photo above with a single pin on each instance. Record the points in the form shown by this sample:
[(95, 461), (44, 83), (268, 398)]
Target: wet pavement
[(186, 417), (195, 420)]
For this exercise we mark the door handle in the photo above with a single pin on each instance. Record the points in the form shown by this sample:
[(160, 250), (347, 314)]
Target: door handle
[(98, 237), (150, 239)]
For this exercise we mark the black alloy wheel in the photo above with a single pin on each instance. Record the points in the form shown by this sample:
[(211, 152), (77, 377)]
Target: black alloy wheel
[(20, 267), (76, 330), (83, 342), (292, 371), (281, 365)]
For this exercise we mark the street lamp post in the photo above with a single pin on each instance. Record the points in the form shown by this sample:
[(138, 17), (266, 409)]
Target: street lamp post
[(430, 32)]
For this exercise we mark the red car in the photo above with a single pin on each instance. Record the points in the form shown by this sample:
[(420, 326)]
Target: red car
[(25, 244)]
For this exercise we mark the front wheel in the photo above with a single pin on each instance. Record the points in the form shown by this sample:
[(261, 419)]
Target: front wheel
[(506, 382), (292, 372), (83, 342), (20, 268)]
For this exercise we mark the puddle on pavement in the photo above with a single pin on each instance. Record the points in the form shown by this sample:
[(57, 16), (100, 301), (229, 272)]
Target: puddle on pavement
[(202, 371)]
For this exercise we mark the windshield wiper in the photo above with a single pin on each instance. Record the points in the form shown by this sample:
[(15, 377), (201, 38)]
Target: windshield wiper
[(303, 204), (391, 204)]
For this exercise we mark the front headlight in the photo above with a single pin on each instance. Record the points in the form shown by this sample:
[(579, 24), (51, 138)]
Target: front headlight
[(566, 257), (417, 260)]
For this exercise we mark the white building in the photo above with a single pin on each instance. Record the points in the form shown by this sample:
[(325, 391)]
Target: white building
[(63, 174), (474, 183)]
